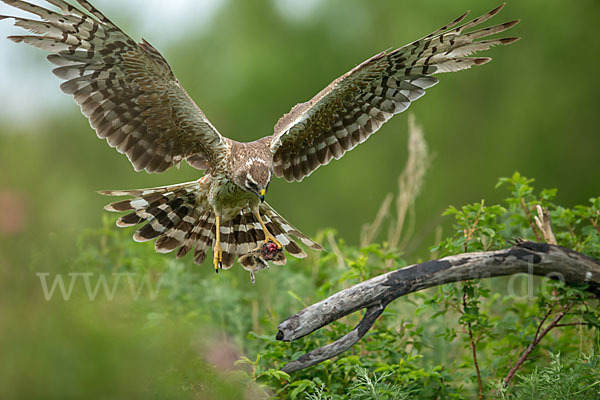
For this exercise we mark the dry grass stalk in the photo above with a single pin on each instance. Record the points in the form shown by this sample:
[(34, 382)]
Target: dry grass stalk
[(409, 186)]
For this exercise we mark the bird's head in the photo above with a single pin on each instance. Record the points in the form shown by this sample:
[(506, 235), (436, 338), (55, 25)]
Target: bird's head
[(255, 177)]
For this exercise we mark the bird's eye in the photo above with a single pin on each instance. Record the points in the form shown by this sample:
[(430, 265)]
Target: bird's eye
[(252, 186)]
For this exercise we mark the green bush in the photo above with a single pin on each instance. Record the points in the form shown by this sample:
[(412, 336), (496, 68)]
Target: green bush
[(421, 347)]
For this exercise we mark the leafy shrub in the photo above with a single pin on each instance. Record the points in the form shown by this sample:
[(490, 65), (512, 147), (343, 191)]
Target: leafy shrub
[(422, 345)]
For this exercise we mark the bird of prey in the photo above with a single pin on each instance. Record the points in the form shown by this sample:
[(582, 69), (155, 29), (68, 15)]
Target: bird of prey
[(132, 99)]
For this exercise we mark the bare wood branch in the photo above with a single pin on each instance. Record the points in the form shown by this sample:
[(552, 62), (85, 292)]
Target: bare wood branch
[(375, 294), (345, 342), (543, 221)]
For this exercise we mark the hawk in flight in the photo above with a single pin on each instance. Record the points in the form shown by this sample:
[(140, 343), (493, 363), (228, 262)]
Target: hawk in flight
[(133, 100)]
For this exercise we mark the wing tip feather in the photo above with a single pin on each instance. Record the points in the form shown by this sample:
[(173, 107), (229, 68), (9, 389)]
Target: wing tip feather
[(16, 39), (113, 192), (121, 224), (482, 60), (460, 18), (497, 9), (139, 238), (507, 41), (510, 24)]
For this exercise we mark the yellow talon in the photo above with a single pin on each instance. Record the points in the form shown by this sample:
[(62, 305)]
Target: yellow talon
[(217, 257), (268, 236), (271, 238)]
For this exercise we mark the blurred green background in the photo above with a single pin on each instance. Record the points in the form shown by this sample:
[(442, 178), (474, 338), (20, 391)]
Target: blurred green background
[(534, 109)]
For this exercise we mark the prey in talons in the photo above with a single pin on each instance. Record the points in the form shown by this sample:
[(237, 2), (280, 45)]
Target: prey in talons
[(258, 258)]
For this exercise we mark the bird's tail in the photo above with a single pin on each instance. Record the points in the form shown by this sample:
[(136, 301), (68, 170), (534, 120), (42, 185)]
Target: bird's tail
[(179, 217)]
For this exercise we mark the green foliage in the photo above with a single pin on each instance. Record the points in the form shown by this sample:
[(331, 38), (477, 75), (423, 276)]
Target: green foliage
[(183, 328), (479, 227), (400, 355), (367, 387), (580, 381), (577, 228)]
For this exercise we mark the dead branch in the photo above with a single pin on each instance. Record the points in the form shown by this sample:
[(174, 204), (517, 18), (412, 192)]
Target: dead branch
[(543, 221), (375, 294)]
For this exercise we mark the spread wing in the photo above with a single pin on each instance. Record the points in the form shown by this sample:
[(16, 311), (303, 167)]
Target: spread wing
[(126, 89), (355, 105)]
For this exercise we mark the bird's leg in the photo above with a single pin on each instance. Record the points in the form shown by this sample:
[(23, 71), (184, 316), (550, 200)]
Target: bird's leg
[(217, 252), (268, 236)]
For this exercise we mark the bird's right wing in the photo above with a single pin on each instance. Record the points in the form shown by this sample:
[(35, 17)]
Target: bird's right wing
[(355, 105), (127, 90)]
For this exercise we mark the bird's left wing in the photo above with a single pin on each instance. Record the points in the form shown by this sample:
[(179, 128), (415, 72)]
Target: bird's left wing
[(356, 104), (127, 90)]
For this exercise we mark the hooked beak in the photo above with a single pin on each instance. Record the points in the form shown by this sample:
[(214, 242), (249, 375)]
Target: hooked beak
[(262, 195)]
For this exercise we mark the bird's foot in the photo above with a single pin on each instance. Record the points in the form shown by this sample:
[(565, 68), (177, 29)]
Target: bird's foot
[(270, 238), (217, 257)]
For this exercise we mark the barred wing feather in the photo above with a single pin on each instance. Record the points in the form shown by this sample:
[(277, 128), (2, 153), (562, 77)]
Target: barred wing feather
[(355, 105), (127, 90)]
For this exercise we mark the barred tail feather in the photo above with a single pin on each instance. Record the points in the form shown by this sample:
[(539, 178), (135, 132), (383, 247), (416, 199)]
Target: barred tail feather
[(287, 229), (180, 218), (202, 238)]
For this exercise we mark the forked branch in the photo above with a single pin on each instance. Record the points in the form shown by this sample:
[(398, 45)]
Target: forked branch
[(375, 294)]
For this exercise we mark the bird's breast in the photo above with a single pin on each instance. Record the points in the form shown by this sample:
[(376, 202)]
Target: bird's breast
[(229, 198)]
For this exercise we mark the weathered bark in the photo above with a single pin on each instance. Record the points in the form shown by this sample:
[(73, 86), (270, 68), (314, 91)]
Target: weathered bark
[(375, 294)]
